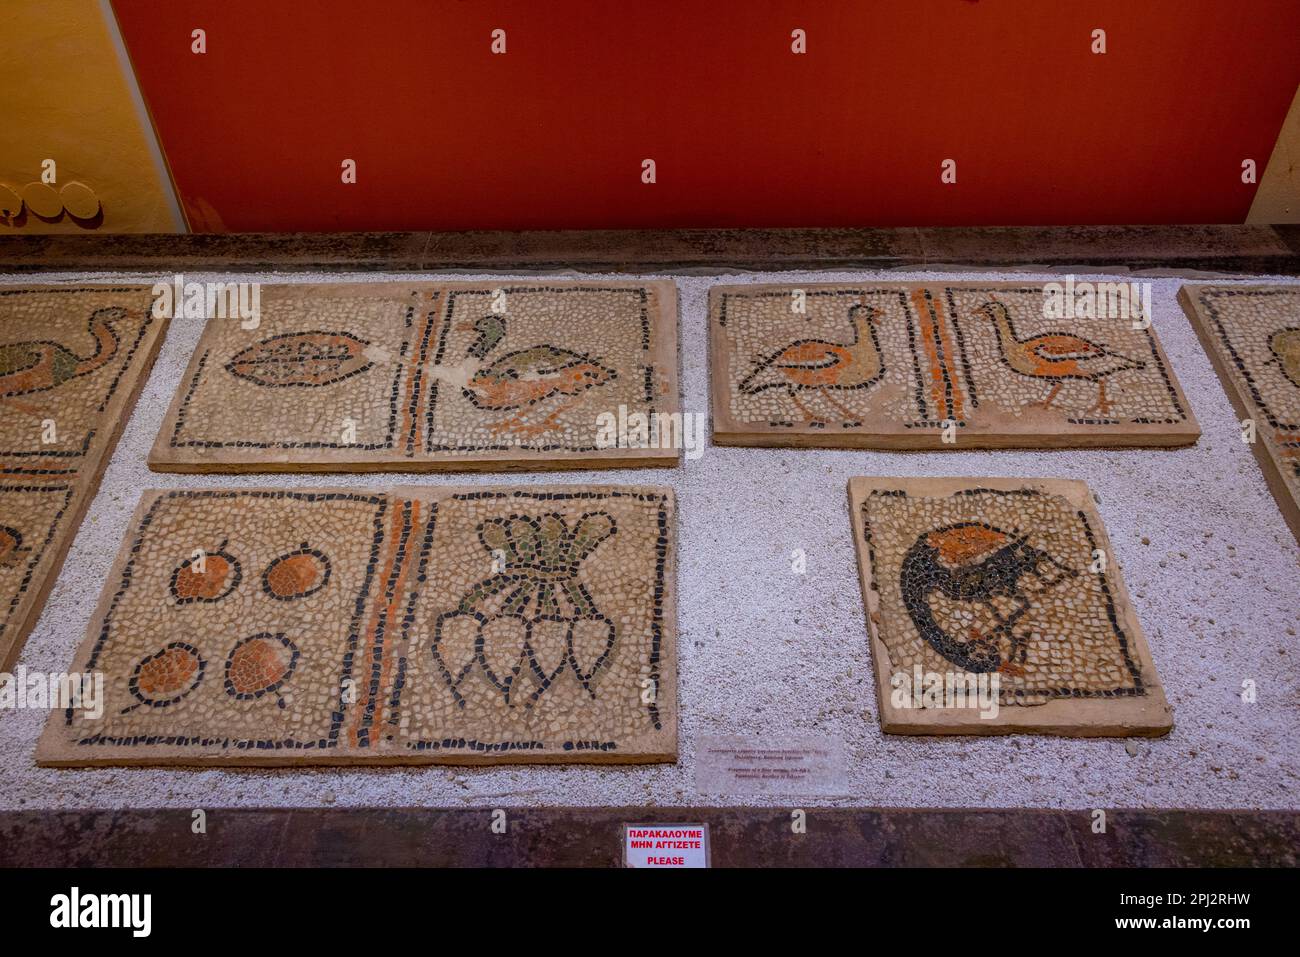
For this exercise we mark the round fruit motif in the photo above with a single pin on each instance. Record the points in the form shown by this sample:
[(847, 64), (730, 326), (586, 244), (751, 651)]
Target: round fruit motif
[(166, 676), (296, 575), (210, 578), (260, 665)]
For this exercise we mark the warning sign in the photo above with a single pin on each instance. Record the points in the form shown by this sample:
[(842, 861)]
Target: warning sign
[(666, 845)]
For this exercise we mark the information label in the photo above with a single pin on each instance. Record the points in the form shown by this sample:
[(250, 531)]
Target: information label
[(791, 765), (666, 845)]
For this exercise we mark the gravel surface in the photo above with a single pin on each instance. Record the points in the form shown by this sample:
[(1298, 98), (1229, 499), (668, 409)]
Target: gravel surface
[(1211, 565)]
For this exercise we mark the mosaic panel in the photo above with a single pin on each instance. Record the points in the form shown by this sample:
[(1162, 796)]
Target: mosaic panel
[(458, 625), (1252, 334), (456, 376), (913, 366), (72, 360), (1006, 590)]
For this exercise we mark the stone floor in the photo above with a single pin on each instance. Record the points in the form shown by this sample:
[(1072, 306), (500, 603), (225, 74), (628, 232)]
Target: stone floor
[(764, 650)]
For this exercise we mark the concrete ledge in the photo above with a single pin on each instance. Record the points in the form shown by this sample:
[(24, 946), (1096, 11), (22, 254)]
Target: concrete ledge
[(590, 837), (1225, 250)]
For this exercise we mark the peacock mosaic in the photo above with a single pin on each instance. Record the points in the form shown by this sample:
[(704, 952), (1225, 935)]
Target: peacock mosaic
[(460, 625), (1252, 334), (72, 359), (420, 377), (1007, 587), (934, 366)]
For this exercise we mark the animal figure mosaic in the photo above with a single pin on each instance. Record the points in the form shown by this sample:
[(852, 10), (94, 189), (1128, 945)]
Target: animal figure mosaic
[(428, 376), (1252, 334), (822, 366), (974, 565), (1007, 585), (72, 360), (1057, 357), (37, 365), (920, 366)]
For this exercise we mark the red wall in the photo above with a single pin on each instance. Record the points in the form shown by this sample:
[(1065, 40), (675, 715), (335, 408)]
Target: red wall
[(745, 133)]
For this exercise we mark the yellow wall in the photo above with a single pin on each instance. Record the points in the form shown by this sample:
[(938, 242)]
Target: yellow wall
[(1278, 198), (66, 96)]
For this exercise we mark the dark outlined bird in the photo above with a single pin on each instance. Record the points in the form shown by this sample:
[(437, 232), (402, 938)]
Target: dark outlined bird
[(823, 366)]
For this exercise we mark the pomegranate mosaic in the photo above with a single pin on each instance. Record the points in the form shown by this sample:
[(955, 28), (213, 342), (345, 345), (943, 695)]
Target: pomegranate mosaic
[(334, 626)]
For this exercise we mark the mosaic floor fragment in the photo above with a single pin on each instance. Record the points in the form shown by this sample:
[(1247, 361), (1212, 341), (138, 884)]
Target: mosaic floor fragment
[(456, 625), (407, 377), (72, 360), (1252, 334), (997, 606), (934, 366)]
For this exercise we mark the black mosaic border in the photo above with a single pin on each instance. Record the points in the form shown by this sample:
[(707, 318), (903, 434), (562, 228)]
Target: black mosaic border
[(37, 554)]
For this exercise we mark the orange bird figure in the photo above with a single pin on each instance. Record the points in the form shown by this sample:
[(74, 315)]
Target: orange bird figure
[(1057, 356), (821, 366)]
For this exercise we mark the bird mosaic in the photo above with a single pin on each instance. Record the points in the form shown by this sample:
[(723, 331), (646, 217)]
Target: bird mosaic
[(823, 366), (534, 378), (38, 365), (987, 579), (1057, 357)]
